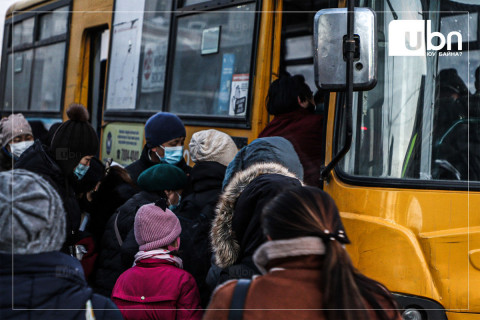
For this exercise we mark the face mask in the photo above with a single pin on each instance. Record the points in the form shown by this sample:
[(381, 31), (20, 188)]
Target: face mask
[(172, 248), (81, 170), (175, 206), (19, 147), (173, 155)]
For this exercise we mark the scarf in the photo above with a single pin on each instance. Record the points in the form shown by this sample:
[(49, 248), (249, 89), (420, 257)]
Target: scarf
[(161, 254)]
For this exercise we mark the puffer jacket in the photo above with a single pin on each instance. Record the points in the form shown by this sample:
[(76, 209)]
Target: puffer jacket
[(236, 230), (109, 264), (290, 287), (48, 281), (157, 289)]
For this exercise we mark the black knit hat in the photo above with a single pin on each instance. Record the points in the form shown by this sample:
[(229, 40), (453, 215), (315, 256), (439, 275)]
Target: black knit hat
[(74, 139)]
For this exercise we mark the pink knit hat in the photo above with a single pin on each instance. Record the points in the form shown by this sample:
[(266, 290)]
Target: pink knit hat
[(155, 228)]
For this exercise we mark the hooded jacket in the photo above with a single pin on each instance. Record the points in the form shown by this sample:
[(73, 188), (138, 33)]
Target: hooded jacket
[(50, 280), (236, 230), (270, 149), (289, 287)]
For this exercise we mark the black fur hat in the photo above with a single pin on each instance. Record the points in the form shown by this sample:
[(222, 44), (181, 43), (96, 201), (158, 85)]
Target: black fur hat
[(74, 139)]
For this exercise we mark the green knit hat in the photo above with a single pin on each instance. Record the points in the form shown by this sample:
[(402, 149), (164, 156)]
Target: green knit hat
[(162, 177)]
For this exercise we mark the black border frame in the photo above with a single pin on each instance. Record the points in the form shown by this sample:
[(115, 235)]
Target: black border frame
[(140, 116), (8, 33)]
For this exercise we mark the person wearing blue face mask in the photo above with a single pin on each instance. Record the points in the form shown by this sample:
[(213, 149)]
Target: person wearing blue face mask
[(165, 136), (65, 162)]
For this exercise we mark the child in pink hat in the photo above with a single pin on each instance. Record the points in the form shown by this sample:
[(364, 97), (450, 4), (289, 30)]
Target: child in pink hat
[(157, 287)]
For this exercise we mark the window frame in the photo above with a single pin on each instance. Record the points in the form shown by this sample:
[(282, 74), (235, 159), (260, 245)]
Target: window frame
[(133, 115), (9, 49)]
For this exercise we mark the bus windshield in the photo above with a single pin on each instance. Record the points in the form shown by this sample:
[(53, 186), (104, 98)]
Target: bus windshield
[(422, 120)]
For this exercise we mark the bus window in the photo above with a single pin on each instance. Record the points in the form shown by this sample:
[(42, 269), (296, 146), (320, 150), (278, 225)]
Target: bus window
[(192, 2), (212, 58), (23, 32), (421, 121), (138, 55), (53, 24), (35, 65)]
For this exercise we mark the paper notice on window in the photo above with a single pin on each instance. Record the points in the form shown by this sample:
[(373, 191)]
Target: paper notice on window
[(153, 69), (125, 55), (238, 95)]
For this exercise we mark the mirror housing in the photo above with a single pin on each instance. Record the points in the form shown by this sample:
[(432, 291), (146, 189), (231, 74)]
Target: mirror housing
[(330, 29)]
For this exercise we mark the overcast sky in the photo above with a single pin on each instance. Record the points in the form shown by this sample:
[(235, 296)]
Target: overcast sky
[(4, 4)]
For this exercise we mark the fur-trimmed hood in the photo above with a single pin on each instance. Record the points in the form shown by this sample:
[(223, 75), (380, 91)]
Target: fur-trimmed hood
[(226, 243)]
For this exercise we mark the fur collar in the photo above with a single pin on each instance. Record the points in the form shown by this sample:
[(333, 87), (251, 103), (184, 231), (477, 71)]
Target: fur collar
[(287, 248), (224, 244)]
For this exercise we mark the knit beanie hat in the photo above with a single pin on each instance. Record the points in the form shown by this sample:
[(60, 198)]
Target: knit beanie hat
[(74, 139), (12, 127), (162, 177), (212, 145), (155, 227), (163, 127), (32, 217)]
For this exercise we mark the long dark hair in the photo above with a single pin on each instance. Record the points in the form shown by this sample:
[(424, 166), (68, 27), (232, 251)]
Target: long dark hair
[(283, 94), (308, 211)]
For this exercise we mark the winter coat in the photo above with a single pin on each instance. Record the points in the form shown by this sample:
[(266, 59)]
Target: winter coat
[(270, 149), (136, 168), (109, 264), (5, 160), (104, 204), (196, 213), (236, 230), (291, 280), (50, 280), (157, 284), (305, 131), (38, 159)]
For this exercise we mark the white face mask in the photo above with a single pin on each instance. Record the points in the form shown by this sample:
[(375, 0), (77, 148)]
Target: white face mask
[(18, 148)]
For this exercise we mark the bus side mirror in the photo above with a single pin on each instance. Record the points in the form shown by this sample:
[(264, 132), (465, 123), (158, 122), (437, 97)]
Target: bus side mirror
[(330, 30)]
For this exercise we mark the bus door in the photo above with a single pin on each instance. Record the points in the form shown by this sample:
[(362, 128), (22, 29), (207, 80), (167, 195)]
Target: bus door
[(98, 39)]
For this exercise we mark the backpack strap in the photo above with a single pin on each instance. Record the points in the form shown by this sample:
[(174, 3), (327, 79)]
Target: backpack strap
[(238, 299), (117, 233)]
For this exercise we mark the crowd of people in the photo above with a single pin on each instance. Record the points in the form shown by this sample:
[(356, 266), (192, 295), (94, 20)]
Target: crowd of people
[(242, 234)]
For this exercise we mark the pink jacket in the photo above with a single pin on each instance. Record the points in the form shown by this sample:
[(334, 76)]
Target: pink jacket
[(157, 289)]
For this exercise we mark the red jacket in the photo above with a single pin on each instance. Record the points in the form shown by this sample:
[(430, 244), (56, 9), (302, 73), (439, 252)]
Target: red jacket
[(305, 131), (157, 289)]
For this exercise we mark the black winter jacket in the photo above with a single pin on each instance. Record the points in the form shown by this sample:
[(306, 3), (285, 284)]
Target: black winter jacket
[(109, 264), (5, 160), (196, 212), (38, 159), (51, 280), (136, 168)]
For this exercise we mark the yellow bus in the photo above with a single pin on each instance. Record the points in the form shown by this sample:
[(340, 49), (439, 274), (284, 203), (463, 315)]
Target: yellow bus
[(408, 188)]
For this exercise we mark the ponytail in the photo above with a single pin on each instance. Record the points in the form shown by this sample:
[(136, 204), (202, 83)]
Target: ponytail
[(346, 293)]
